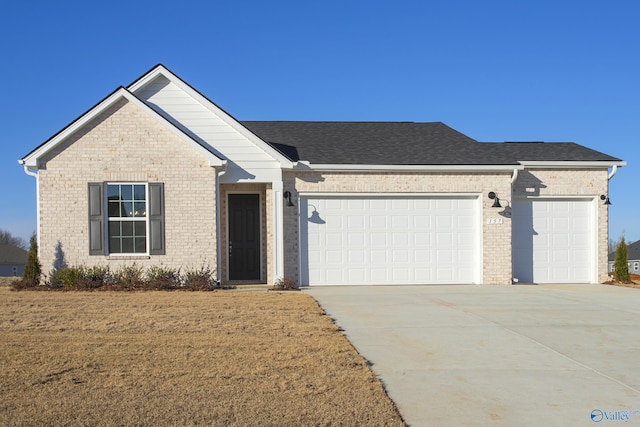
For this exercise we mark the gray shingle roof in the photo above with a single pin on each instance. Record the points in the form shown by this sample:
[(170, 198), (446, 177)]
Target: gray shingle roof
[(10, 254), (633, 252), (404, 143)]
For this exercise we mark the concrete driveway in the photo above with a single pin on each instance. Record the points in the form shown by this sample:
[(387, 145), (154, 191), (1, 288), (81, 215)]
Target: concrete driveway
[(561, 355)]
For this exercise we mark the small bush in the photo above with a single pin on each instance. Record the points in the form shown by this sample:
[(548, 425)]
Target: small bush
[(162, 278), (93, 277), (32, 270), (286, 284), (23, 284), (620, 265), (200, 279), (129, 276), (65, 277)]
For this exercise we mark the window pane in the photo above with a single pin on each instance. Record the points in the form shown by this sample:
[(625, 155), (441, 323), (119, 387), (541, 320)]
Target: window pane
[(114, 208), (113, 191), (141, 228), (127, 245), (128, 209), (114, 237), (141, 236), (139, 209), (139, 192), (141, 245), (127, 192), (127, 229)]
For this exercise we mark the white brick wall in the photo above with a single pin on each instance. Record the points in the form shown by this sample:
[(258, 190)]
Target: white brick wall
[(572, 182), (496, 238), (496, 256), (125, 144)]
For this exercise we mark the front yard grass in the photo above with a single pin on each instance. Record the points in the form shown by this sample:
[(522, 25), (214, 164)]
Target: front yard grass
[(175, 358)]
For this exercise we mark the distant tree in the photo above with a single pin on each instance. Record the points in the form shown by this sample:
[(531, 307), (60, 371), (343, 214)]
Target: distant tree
[(620, 265), (612, 246), (32, 270), (7, 238)]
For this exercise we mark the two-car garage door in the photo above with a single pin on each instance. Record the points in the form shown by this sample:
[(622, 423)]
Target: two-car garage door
[(362, 239)]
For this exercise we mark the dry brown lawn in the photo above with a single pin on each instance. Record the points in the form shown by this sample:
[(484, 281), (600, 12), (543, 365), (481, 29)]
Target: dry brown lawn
[(223, 358)]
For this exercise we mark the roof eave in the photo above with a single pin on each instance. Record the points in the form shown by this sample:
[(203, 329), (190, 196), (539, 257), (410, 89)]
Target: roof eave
[(563, 164), (301, 165)]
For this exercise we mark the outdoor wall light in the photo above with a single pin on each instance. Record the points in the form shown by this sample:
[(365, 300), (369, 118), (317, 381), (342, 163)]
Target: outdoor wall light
[(606, 199), (287, 195), (496, 201)]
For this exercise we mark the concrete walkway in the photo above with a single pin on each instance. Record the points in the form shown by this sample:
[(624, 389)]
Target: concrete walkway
[(561, 355)]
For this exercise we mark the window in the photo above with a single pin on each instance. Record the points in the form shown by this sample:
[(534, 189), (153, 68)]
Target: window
[(127, 214), (133, 221)]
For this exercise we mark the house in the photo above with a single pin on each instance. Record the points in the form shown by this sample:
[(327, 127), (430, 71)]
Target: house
[(157, 174), (633, 258), (12, 260)]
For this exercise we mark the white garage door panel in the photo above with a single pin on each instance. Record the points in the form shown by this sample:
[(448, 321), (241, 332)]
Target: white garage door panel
[(389, 240), (553, 241)]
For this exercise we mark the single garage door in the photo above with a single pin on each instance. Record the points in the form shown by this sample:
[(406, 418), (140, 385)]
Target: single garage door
[(553, 241), (367, 240)]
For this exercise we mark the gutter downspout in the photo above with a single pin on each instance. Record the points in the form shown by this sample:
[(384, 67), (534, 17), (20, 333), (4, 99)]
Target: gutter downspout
[(514, 176), (34, 173), (218, 231), (513, 180), (614, 169)]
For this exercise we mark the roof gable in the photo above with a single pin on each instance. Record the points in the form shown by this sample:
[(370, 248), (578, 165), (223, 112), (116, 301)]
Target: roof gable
[(31, 159), (161, 72)]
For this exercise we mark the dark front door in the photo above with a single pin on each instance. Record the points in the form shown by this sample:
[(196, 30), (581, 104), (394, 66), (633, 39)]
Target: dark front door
[(244, 237)]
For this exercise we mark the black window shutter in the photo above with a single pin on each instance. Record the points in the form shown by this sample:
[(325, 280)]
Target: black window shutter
[(96, 219), (156, 218)]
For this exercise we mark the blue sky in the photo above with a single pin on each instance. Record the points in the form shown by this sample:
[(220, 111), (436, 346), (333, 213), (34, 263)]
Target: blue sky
[(542, 70)]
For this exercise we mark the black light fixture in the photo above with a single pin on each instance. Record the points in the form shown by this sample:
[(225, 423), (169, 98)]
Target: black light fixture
[(287, 195), (496, 201), (606, 199)]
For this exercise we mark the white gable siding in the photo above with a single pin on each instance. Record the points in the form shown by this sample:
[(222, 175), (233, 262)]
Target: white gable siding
[(247, 161)]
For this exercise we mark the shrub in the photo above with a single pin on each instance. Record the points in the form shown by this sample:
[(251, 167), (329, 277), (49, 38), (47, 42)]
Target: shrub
[(200, 279), (620, 265), (158, 277), (93, 277), (129, 276), (285, 284), (65, 277)]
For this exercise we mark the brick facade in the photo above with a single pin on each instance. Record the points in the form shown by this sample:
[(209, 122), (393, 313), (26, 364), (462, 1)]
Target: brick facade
[(572, 183), (124, 144), (496, 236), (496, 256)]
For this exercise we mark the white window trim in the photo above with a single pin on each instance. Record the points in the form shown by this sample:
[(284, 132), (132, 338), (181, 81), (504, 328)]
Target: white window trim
[(107, 240)]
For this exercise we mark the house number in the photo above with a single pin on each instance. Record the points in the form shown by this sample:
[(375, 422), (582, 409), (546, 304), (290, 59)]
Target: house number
[(494, 221)]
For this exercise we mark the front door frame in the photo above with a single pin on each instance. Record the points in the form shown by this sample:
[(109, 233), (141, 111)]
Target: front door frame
[(261, 279)]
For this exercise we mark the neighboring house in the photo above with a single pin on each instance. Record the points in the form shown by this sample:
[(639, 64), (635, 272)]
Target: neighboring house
[(633, 258), (12, 260), (157, 174)]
